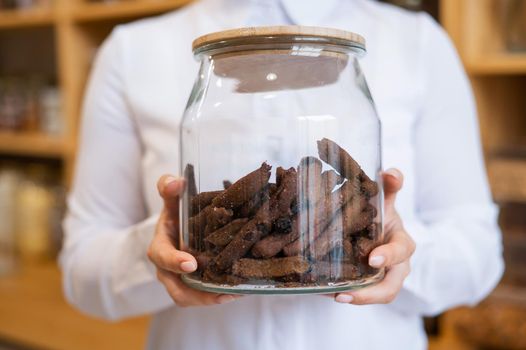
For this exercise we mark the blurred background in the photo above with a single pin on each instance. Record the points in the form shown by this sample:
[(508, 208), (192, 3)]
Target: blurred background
[(46, 50)]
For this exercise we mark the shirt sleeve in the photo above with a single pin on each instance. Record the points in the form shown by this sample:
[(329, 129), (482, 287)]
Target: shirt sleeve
[(105, 268), (458, 259)]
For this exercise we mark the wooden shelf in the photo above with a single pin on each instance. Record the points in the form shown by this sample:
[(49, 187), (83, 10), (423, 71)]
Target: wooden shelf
[(33, 313), (506, 63), (26, 18), (32, 144), (126, 9), (508, 179)]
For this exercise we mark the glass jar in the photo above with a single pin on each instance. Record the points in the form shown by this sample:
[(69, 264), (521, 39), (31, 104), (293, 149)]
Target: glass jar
[(9, 179), (34, 203), (280, 149)]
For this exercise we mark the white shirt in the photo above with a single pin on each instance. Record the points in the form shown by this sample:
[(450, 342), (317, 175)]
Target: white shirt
[(133, 107)]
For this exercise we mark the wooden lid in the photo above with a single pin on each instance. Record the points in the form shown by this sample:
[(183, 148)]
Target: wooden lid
[(278, 34)]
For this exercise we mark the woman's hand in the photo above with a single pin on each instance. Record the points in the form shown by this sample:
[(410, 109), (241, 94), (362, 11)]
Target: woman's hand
[(393, 255), (170, 262)]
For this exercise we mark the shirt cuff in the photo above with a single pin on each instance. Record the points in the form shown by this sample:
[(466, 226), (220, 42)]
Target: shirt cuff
[(135, 276)]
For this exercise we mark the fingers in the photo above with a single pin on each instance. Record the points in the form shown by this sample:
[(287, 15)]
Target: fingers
[(185, 296), (171, 262), (393, 181), (171, 188), (163, 254), (394, 255), (381, 293), (398, 249)]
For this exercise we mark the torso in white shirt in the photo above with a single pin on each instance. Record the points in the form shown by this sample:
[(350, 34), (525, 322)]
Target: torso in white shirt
[(132, 116), (168, 70)]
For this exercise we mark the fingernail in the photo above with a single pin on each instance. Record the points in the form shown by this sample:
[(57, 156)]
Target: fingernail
[(188, 266), (223, 299), (169, 179), (376, 261), (394, 173), (344, 298)]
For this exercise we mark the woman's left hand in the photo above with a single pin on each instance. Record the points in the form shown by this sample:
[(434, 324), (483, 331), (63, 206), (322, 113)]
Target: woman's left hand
[(394, 255)]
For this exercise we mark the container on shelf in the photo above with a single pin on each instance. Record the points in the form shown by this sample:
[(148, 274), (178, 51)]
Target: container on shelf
[(515, 25), (15, 111), (30, 103), (9, 179), (51, 121), (280, 149), (33, 208)]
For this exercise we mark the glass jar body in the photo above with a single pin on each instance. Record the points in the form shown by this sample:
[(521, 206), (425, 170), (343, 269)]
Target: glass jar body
[(280, 149)]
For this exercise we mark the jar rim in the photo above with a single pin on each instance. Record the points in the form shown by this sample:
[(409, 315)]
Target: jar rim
[(240, 38)]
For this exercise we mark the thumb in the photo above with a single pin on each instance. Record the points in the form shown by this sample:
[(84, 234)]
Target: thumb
[(171, 188), (393, 181)]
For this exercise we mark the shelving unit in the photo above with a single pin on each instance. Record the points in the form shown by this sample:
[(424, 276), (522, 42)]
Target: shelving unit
[(33, 312), (498, 77), (78, 28), (499, 81)]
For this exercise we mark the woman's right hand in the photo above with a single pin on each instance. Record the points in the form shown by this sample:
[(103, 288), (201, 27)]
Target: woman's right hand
[(170, 262)]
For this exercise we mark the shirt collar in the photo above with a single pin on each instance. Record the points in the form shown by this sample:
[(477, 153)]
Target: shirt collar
[(276, 12), (309, 12)]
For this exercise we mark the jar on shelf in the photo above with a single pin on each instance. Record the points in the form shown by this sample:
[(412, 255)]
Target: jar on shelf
[(34, 203), (51, 121), (9, 180), (514, 25), (280, 150), (13, 104)]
